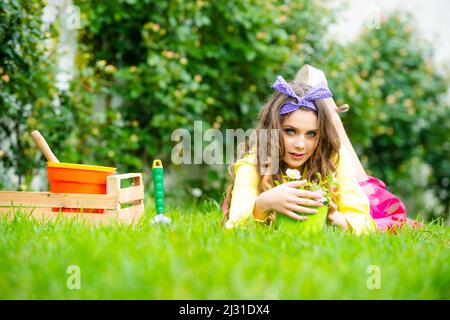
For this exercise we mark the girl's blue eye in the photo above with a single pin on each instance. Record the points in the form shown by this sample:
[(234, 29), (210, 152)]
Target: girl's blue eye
[(288, 131)]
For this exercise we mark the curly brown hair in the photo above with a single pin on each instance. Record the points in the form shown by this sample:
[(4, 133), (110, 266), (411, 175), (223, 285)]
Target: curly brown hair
[(324, 159)]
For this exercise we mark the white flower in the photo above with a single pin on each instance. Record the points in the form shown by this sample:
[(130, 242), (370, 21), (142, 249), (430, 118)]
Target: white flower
[(293, 174), (196, 192)]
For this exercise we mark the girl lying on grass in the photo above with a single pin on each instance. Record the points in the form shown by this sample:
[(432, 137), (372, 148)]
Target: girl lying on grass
[(303, 131)]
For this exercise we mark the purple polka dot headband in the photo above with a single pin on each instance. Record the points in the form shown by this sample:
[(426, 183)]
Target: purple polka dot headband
[(318, 92)]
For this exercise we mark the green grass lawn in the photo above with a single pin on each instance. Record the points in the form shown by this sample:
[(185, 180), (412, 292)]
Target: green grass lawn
[(195, 258)]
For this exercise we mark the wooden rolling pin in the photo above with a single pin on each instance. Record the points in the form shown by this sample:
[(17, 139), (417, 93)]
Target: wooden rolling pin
[(43, 146)]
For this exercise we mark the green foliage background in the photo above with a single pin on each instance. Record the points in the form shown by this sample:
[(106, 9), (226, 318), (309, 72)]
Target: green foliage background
[(146, 68)]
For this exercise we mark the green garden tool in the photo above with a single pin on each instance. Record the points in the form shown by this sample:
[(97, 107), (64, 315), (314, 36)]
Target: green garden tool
[(158, 184)]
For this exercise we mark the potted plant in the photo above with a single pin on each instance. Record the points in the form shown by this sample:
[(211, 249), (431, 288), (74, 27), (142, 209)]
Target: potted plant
[(314, 223)]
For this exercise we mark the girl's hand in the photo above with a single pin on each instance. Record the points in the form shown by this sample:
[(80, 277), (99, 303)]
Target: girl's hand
[(336, 218), (287, 199)]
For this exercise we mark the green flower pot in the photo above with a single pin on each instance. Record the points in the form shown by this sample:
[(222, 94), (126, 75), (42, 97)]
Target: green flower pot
[(314, 224)]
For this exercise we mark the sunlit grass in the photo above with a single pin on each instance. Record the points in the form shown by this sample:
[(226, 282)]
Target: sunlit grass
[(195, 258)]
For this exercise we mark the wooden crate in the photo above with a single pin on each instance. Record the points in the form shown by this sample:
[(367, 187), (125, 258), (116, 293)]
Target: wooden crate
[(40, 204)]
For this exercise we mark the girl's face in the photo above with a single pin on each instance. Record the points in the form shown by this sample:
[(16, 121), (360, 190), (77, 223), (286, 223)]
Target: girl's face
[(300, 134)]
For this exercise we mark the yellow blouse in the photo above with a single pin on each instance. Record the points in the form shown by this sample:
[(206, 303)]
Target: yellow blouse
[(353, 202)]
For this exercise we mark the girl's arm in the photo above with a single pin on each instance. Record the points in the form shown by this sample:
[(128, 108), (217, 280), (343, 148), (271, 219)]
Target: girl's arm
[(244, 194), (337, 218), (352, 202), (260, 212)]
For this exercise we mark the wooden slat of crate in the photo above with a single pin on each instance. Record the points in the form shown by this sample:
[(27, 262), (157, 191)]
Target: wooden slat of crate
[(131, 194), (128, 215), (131, 214), (46, 214), (57, 200)]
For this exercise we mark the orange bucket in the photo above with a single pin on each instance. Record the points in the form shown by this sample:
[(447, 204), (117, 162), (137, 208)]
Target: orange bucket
[(78, 178)]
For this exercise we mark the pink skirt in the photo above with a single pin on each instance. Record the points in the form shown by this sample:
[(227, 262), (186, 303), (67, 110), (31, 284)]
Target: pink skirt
[(386, 209)]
